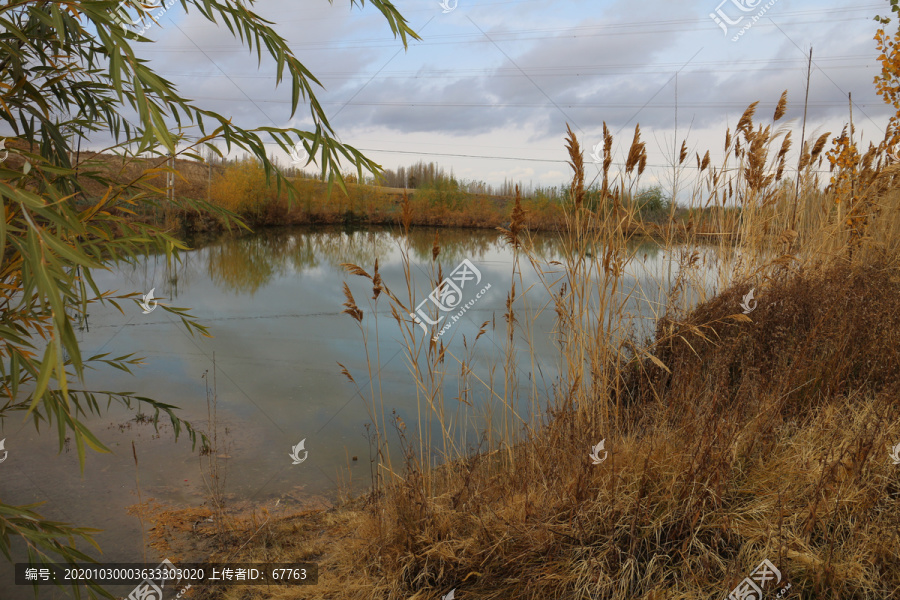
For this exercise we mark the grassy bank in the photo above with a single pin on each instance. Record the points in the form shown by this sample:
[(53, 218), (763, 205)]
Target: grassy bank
[(241, 187), (730, 436)]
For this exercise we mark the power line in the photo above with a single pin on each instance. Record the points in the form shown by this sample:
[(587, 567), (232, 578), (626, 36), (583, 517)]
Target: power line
[(409, 11), (516, 65), (541, 160), (359, 91), (666, 68), (350, 44), (671, 105), (640, 27), (826, 75), (239, 88), (488, 73)]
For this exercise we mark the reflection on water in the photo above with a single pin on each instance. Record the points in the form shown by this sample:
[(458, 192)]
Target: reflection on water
[(246, 264)]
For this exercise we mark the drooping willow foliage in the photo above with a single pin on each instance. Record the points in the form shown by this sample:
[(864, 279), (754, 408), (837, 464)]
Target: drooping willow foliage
[(70, 71)]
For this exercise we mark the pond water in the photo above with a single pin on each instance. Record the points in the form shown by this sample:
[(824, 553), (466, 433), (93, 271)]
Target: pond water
[(274, 304)]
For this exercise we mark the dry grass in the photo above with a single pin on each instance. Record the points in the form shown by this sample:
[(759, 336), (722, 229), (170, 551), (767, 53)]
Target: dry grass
[(242, 189), (731, 438)]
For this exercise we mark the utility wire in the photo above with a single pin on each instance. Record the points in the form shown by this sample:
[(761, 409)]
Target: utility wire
[(493, 75), (826, 75), (325, 46), (541, 160), (736, 104), (443, 39), (493, 71)]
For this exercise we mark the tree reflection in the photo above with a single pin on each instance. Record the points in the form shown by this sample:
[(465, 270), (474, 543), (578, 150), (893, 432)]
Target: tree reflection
[(244, 264), (248, 263)]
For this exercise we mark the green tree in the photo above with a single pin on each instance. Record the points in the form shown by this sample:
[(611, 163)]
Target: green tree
[(651, 200), (69, 69), (443, 192)]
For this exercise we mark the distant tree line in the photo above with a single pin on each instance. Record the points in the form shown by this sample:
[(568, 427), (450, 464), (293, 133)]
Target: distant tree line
[(433, 177)]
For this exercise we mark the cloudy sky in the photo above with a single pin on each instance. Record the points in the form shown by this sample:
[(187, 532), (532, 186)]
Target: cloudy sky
[(489, 89)]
